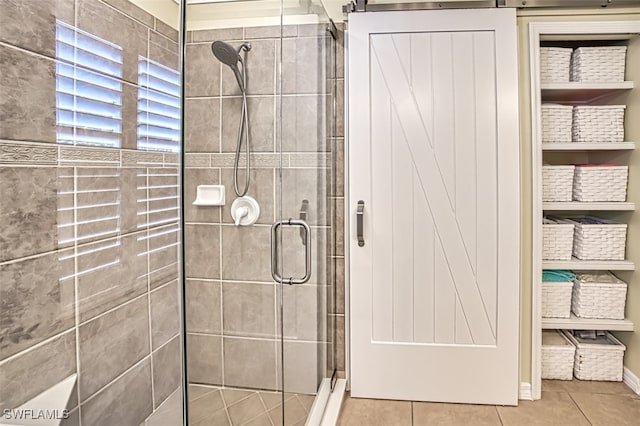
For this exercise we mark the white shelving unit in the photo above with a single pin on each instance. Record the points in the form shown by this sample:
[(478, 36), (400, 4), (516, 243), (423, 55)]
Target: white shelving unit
[(572, 34)]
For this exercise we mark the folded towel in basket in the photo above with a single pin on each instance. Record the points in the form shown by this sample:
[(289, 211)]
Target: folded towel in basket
[(557, 275)]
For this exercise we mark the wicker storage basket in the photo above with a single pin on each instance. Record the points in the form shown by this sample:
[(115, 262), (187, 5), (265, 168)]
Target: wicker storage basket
[(600, 183), (556, 122), (555, 64), (556, 299), (602, 63), (598, 239), (557, 183), (598, 359), (557, 356), (557, 240), (599, 295), (604, 123)]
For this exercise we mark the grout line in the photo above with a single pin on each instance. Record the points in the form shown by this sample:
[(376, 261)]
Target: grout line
[(579, 408)]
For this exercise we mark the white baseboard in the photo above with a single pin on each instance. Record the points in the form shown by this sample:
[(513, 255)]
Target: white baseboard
[(525, 391), (631, 380)]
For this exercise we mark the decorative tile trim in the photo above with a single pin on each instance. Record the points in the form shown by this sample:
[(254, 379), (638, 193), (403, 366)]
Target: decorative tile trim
[(142, 158), (197, 160), (171, 159), (75, 155), (311, 159), (27, 153)]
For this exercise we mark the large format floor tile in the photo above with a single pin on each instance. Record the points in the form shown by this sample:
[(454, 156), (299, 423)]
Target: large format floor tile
[(433, 414), (375, 412), (605, 410)]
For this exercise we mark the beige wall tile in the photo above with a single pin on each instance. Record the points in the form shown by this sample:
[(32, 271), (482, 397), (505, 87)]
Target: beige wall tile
[(165, 314), (27, 92), (34, 304), (261, 123), (246, 253), (250, 363), (202, 125), (202, 245), (32, 372), (202, 71), (261, 68), (28, 197), (204, 358), (126, 401), (249, 309), (112, 343), (203, 299), (167, 371)]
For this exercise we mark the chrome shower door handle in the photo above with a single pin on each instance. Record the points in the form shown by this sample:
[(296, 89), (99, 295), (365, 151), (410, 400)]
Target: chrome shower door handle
[(274, 252), (359, 223)]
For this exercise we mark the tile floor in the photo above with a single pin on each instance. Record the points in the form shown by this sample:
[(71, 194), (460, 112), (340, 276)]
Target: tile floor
[(214, 406), (563, 403)]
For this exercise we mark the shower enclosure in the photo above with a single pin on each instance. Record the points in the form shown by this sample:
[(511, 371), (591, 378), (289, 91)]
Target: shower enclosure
[(259, 346), (120, 298)]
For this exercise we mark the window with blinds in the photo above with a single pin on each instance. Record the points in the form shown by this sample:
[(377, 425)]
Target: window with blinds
[(158, 107), (88, 89)]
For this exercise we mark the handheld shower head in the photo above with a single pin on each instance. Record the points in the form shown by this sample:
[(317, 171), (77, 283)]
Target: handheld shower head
[(229, 56)]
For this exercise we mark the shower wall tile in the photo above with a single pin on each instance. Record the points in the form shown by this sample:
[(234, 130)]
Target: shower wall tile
[(340, 285), (246, 253), (261, 188), (27, 94), (193, 178), (27, 194), (132, 11), (197, 160), (165, 314), (164, 246), (203, 300), (109, 273), (302, 70), (204, 357), (271, 31), (339, 249), (340, 50), (202, 71), (163, 50), (299, 303), (31, 25), (34, 303), (250, 363), (111, 344), (261, 66), (338, 168), (340, 108), (302, 126), (166, 375), (167, 30), (261, 123), (249, 310), (201, 36), (202, 251), (126, 401), (340, 343), (23, 376), (169, 413), (298, 357), (305, 184), (202, 125), (129, 109), (100, 20)]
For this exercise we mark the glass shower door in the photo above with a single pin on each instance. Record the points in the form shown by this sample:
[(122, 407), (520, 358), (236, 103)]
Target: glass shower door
[(303, 241)]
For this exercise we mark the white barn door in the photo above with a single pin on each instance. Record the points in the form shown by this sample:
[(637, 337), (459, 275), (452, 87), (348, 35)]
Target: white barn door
[(434, 156)]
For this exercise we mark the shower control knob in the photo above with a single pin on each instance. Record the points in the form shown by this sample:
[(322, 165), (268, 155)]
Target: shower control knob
[(245, 211)]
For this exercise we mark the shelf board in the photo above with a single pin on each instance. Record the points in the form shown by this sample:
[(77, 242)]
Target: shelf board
[(575, 323), (589, 265), (582, 206), (577, 92), (585, 146)]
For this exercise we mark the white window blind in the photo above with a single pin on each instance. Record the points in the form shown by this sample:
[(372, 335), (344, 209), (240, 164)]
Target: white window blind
[(158, 107), (88, 89)]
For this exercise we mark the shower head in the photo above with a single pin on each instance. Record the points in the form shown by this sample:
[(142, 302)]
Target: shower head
[(229, 56)]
